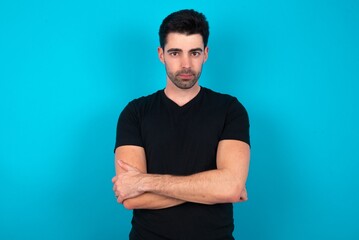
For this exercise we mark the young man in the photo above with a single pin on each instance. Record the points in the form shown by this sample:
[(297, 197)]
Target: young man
[(182, 153)]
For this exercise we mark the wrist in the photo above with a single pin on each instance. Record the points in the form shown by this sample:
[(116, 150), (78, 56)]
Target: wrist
[(152, 182), (144, 183)]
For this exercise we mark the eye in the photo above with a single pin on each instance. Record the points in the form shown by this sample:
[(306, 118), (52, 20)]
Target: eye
[(196, 54), (174, 54)]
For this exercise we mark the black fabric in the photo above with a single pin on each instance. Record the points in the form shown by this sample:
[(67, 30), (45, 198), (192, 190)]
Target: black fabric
[(182, 141)]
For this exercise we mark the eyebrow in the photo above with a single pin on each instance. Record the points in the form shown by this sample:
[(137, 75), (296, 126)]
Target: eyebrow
[(196, 50), (180, 50)]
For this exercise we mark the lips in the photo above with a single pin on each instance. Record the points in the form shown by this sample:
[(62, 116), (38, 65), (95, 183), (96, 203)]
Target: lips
[(186, 76)]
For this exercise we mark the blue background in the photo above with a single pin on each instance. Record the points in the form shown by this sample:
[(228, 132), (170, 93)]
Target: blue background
[(67, 68)]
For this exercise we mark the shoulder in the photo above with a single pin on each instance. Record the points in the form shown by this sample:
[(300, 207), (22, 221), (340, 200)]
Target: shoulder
[(136, 109), (144, 100), (213, 95), (222, 100), (142, 104)]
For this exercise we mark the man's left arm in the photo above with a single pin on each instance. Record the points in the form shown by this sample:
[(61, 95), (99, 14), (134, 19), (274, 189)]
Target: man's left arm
[(222, 185)]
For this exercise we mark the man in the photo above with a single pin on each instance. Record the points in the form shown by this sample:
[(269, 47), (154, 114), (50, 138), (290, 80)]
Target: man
[(182, 153)]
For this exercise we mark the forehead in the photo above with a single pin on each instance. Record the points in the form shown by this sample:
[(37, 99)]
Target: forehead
[(183, 41)]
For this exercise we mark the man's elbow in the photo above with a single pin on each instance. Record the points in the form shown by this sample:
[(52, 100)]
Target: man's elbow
[(234, 194), (235, 197)]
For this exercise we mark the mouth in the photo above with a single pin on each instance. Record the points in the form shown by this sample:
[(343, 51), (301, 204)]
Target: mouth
[(185, 75)]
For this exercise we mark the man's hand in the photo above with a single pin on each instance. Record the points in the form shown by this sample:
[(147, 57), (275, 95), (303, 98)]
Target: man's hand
[(226, 184), (127, 185)]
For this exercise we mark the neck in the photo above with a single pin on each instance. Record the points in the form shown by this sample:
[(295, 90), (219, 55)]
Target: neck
[(181, 96)]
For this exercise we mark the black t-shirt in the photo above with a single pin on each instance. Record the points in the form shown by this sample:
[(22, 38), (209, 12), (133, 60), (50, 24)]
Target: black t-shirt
[(182, 141)]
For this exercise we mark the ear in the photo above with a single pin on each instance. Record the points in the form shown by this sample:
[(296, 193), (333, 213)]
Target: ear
[(161, 54), (206, 50)]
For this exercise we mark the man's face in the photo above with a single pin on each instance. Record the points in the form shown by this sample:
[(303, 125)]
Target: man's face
[(183, 56)]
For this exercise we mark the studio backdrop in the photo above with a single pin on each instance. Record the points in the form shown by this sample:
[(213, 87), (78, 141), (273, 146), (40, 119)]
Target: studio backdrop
[(67, 69)]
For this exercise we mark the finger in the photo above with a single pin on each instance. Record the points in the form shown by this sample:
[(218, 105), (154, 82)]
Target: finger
[(116, 188), (120, 199), (114, 179), (117, 193), (125, 166)]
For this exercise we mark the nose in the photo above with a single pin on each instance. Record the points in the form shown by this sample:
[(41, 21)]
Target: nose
[(185, 61)]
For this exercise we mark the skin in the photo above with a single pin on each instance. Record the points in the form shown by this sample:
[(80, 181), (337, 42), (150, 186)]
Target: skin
[(183, 57)]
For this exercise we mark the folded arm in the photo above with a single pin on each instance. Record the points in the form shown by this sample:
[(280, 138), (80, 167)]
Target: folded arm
[(135, 157), (222, 185)]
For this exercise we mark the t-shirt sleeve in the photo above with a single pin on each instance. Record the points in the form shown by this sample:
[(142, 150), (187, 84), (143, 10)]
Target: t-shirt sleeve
[(128, 127), (236, 125)]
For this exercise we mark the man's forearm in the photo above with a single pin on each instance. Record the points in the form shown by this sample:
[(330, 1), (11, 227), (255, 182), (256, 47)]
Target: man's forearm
[(151, 201), (209, 187), (222, 185)]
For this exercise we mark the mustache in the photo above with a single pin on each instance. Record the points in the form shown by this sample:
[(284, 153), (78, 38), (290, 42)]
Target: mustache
[(185, 71)]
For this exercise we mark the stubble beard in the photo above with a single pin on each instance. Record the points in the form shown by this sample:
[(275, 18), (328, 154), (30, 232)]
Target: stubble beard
[(183, 83)]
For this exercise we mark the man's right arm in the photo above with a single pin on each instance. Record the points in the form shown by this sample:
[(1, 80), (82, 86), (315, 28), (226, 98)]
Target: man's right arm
[(135, 156)]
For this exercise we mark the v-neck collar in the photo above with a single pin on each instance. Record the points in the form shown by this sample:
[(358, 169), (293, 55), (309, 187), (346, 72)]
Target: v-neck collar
[(174, 105)]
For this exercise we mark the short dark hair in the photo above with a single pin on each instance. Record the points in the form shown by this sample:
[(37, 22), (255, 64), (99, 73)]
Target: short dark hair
[(186, 21)]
